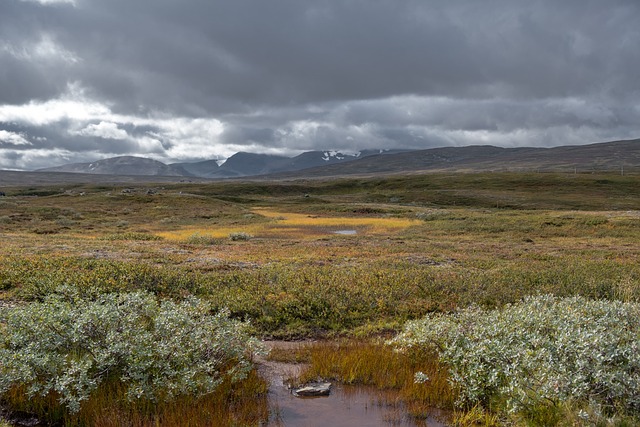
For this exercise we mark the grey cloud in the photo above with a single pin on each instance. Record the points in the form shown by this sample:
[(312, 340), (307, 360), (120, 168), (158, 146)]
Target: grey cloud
[(204, 54), (291, 75), (248, 135)]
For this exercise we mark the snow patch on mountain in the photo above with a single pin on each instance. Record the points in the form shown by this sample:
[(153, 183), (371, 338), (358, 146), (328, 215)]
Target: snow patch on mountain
[(339, 155)]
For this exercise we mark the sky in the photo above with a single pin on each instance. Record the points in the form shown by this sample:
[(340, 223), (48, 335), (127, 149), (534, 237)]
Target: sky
[(189, 80)]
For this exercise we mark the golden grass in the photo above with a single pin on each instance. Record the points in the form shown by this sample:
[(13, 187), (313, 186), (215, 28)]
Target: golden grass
[(241, 404), (296, 225)]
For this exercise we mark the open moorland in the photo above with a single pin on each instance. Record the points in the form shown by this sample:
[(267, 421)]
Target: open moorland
[(344, 262)]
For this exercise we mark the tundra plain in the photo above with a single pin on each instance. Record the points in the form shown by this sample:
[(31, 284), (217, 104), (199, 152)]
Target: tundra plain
[(345, 262)]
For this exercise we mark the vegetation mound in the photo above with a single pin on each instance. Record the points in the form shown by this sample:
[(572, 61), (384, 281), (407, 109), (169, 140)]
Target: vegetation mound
[(541, 352), (71, 347)]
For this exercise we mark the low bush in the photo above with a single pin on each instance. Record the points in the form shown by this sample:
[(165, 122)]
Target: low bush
[(544, 351), (240, 236), (69, 346)]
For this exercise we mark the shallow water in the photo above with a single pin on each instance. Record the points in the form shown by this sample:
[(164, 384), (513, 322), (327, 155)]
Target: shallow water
[(345, 406), (346, 232)]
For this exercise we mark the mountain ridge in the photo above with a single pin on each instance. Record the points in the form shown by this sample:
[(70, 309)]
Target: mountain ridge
[(120, 165), (596, 157), (241, 164), (601, 156)]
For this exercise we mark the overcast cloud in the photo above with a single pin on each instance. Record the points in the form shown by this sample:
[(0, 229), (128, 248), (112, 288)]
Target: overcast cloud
[(190, 80)]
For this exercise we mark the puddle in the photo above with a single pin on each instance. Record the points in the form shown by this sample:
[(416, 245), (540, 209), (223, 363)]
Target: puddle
[(346, 405), (346, 232)]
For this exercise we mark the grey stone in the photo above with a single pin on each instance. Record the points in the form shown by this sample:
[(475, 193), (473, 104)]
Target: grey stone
[(313, 390)]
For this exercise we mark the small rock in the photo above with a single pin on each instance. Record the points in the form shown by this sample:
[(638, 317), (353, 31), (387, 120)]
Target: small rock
[(313, 390)]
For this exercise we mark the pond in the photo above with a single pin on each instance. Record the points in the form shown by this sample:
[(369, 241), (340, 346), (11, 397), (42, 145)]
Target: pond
[(346, 232)]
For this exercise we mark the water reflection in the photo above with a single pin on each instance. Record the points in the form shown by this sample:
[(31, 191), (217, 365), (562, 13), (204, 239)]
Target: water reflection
[(346, 406)]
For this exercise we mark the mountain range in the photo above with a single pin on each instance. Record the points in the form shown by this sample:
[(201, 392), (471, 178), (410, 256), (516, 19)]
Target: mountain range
[(239, 165), (605, 156)]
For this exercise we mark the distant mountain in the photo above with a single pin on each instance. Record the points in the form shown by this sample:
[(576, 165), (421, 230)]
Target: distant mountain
[(247, 164), (201, 169), (606, 156), (251, 164), (239, 165), (124, 165)]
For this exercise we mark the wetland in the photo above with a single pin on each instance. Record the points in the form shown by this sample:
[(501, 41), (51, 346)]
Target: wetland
[(342, 265)]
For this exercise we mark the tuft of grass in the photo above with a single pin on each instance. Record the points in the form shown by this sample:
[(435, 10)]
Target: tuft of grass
[(203, 239), (477, 416)]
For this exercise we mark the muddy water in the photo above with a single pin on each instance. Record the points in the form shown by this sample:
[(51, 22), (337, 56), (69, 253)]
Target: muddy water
[(345, 406)]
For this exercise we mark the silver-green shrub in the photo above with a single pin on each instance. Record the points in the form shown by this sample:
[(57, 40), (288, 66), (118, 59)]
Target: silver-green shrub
[(159, 349), (240, 236), (543, 349)]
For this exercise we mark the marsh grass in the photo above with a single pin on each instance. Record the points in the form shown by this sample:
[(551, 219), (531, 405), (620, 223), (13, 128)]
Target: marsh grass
[(243, 403), (476, 417), (296, 225), (202, 239), (375, 364)]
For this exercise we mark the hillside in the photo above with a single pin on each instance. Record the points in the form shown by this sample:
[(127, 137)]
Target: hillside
[(124, 165), (599, 157)]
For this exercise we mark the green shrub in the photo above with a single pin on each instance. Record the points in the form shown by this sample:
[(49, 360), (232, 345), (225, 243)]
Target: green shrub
[(240, 236), (69, 345), (541, 351)]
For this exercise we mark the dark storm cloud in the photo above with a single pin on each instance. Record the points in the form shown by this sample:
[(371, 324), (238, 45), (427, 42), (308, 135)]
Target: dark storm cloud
[(201, 78)]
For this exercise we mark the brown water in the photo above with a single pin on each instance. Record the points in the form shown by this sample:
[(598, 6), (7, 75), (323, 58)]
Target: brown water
[(346, 405)]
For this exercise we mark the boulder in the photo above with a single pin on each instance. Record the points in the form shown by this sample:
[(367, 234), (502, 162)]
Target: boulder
[(313, 390)]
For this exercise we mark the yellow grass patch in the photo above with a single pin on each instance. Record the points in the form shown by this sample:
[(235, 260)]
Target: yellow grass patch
[(297, 225)]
